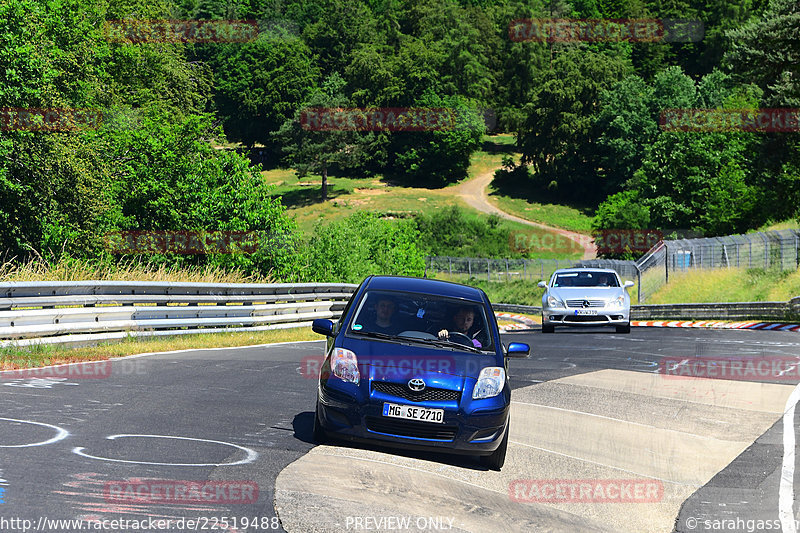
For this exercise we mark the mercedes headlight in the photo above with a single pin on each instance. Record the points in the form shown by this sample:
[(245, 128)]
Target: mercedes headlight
[(552, 301), (619, 301)]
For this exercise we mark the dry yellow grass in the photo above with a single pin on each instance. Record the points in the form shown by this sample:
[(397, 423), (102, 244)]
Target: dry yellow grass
[(79, 270)]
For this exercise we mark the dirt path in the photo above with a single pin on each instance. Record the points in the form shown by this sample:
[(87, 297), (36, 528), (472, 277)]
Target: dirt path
[(473, 192)]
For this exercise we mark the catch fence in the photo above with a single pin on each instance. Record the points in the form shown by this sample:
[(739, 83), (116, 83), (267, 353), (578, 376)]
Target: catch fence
[(778, 250)]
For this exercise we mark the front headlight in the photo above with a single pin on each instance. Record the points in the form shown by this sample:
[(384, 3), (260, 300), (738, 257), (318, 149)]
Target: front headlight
[(552, 301), (344, 365), (490, 383), (619, 301)]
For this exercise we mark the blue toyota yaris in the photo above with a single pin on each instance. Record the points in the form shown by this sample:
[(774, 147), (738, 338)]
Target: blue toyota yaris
[(417, 363)]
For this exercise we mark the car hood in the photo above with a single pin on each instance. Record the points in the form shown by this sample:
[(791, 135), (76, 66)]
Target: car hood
[(389, 361), (599, 293)]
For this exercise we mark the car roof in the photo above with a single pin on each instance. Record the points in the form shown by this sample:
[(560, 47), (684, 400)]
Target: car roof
[(580, 269), (424, 285)]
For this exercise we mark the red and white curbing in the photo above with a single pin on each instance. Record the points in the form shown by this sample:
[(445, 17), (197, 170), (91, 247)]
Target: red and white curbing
[(525, 322), (774, 326), (522, 322)]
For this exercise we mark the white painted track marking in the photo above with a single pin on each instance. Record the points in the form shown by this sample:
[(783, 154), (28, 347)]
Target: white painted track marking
[(786, 489), (251, 454), (61, 434)]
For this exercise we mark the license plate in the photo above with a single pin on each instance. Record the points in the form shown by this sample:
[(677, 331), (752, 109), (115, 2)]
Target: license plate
[(410, 412), (586, 311)]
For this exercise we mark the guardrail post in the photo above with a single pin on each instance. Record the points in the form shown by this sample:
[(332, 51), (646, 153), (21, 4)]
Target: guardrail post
[(469, 266), (639, 286)]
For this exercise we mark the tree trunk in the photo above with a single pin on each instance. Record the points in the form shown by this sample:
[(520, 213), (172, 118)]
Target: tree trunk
[(325, 183)]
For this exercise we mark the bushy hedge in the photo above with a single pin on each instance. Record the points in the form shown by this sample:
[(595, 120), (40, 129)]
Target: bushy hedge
[(350, 249)]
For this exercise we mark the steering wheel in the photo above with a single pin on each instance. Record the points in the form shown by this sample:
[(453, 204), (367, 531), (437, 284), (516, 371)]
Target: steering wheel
[(460, 338)]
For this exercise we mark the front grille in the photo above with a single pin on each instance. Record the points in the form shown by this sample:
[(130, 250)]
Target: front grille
[(411, 428), (592, 303), (429, 394), (585, 318)]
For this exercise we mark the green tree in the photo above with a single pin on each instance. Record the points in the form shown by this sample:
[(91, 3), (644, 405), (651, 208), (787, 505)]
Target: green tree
[(260, 84), (169, 177), (699, 181), (432, 158), (766, 51), (310, 150), (557, 138)]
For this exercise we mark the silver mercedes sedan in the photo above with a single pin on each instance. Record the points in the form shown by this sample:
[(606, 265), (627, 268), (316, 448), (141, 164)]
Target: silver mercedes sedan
[(586, 297)]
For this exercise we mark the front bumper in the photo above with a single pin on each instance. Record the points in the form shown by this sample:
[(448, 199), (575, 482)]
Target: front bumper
[(478, 432), (567, 316)]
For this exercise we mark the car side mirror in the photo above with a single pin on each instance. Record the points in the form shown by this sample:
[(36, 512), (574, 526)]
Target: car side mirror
[(518, 349), (323, 326), (542, 284), (628, 284)]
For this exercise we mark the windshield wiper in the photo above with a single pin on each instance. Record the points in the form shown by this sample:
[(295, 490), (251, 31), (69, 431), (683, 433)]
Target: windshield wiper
[(434, 342), (448, 344), (379, 335)]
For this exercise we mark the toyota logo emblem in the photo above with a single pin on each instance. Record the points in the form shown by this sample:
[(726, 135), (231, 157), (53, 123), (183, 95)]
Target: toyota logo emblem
[(586, 304), (416, 385)]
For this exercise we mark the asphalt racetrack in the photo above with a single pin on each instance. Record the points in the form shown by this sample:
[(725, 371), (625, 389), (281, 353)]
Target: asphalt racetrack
[(220, 440)]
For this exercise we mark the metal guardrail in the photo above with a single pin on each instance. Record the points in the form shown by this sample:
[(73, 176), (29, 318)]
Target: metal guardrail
[(84, 312), (87, 312), (702, 311)]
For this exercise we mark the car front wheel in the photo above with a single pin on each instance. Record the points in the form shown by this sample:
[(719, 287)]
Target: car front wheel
[(319, 432), (498, 457), (624, 329), (548, 328)]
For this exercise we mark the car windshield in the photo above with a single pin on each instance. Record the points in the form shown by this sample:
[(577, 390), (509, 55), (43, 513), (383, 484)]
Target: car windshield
[(586, 279), (423, 317)]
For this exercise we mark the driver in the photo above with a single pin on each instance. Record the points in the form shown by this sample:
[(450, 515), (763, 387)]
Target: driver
[(384, 314), (462, 322)]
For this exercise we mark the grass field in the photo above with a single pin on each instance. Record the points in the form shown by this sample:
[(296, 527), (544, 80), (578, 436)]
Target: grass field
[(729, 285), (349, 195), (560, 216)]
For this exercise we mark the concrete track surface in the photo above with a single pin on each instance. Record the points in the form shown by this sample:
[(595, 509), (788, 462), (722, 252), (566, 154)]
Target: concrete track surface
[(590, 406)]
